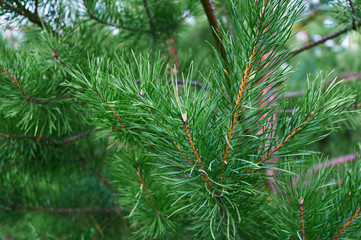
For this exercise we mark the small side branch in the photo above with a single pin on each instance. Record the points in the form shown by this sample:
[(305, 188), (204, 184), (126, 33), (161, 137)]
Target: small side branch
[(232, 125), (302, 222), (142, 30), (294, 132), (354, 13), (194, 150), (347, 224), (145, 188), (152, 27), (216, 30), (22, 11), (32, 99), (16, 82), (50, 140), (324, 39)]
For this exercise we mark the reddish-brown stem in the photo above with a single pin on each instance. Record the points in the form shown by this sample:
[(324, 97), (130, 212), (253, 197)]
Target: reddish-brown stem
[(238, 107), (322, 40), (294, 132), (238, 101), (32, 99), (144, 187), (22, 11), (347, 223), (152, 27), (302, 222), (353, 9), (16, 82), (195, 152), (213, 23)]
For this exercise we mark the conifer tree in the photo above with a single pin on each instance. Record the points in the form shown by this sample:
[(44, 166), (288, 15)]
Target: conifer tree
[(145, 119)]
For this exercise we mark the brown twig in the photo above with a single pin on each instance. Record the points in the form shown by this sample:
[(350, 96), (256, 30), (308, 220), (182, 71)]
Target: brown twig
[(216, 30), (22, 11), (32, 99), (152, 26), (50, 140), (347, 223), (144, 187), (283, 142), (354, 13), (232, 125), (302, 222), (194, 150), (238, 107), (322, 40)]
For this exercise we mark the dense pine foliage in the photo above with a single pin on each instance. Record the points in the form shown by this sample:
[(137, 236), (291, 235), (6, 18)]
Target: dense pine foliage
[(182, 119)]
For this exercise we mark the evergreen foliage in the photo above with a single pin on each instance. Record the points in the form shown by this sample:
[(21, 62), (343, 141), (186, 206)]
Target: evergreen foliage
[(118, 121)]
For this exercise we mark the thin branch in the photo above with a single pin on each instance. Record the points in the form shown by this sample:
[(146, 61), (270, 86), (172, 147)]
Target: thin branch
[(302, 222), (238, 101), (67, 210), (349, 77), (144, 187), (151, 21), (57, 57), (50, 140), (16, 82), (194, 150), (242, 86), (283, 142), (103, 179), (347, 223), (322, 40), (216, 30), (164, 28), (354, 13), (22, 11), (32, 99)]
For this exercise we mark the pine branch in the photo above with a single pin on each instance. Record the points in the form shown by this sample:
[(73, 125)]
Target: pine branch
[(184, 154), (32, 99), (349, 77), (294, 132), (242, 87), (142, 30), (354, 13), (216, 30), (50, 140), (322, 40), (347, 224), (198, 158), (151, 22), (302, 222), (22, 11), (144, 187), (16, 82), (66, 210)]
